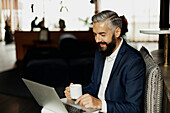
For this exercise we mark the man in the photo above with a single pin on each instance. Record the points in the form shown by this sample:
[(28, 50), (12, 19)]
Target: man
[(117, 83), (33, 25)]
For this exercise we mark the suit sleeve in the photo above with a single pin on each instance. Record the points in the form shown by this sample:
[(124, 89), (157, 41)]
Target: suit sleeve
[(93, 87), (134, 88)]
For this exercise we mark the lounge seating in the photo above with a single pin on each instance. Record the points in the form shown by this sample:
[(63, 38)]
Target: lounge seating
[(154, 84), (52, 72), (59, 67)]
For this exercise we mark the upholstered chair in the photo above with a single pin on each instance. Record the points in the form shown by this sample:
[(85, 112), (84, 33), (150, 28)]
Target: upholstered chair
[(153, 96)]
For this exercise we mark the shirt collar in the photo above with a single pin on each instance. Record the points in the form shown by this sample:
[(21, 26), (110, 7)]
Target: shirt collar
[(114, 54)]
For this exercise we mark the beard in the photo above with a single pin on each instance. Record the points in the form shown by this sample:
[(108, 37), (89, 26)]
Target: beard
[(109, 47)]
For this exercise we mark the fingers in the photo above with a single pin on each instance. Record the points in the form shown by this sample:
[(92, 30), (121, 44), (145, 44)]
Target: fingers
[(84, 100), (67, 92), (78, 100), (89, 101), (71, 83)]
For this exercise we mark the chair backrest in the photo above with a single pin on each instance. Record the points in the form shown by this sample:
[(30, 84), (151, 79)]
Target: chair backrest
[(68, 45), (81, 70), (66, 40), (51, 72), (153, 96)]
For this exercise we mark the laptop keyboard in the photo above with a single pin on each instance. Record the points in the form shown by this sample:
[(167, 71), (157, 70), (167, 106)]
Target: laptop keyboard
[(72, 109)]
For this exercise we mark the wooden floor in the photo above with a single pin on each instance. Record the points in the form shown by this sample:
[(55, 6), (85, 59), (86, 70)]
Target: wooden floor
[(9, 103)]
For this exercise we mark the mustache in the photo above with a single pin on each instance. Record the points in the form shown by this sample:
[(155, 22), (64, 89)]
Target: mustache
[(101, 43)]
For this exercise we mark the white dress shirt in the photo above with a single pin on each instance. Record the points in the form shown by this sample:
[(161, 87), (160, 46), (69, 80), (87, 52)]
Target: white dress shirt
[(109, 62)]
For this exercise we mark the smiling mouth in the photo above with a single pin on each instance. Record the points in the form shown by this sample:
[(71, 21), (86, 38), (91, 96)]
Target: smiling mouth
[(102, 45)]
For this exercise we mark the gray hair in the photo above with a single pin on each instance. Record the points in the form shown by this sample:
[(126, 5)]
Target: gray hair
[(113, 22)]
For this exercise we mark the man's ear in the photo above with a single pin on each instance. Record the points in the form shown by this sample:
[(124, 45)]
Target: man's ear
[(117, 32)]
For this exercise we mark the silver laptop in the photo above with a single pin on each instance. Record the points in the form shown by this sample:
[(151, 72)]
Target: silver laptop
[(48, 98)]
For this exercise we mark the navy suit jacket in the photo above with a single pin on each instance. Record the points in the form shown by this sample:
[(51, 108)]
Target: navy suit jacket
[(125, 89)]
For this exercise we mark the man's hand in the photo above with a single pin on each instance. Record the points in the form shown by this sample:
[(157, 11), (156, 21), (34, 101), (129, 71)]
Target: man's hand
[(67, 92), (89, 101)]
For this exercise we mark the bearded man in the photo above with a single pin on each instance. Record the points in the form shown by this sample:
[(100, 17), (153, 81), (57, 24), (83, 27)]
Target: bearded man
[(117, 83)]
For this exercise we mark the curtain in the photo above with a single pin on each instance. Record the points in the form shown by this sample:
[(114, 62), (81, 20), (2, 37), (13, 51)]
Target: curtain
[(9, 12), (0, 19)]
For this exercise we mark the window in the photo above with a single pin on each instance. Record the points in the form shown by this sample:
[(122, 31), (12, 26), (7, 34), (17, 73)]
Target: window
[(76, 13), (140, 14)]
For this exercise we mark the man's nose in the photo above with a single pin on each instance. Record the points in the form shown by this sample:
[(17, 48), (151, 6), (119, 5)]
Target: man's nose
[(98, 38)]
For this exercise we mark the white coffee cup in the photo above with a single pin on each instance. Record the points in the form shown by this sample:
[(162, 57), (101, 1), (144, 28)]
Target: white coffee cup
[(75, 91)]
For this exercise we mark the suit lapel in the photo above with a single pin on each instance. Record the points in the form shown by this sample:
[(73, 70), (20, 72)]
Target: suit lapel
[(101, 69), (119, 57)]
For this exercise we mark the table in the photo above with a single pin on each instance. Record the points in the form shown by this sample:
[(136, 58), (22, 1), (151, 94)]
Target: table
[(166, 33), (16, 104)]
